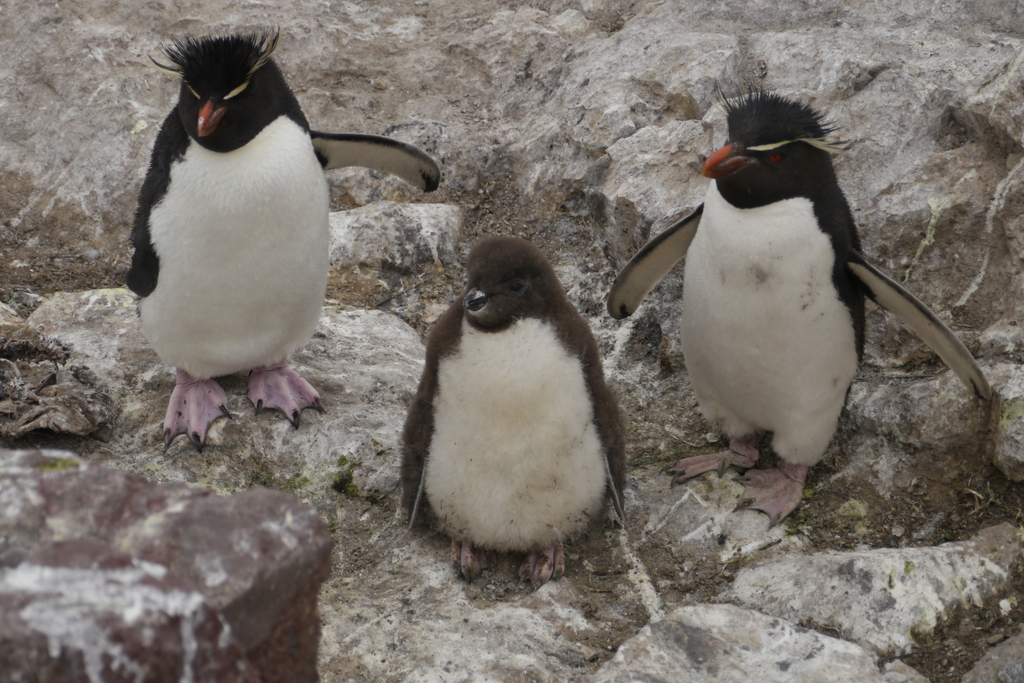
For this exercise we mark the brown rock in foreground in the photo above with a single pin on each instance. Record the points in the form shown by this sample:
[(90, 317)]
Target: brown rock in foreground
[(105, 575)]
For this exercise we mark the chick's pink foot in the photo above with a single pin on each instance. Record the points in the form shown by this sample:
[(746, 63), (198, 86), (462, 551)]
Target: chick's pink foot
[(469, 560), (776, 491), (281, 388), (195, 404), (541, 566), (742, 453)]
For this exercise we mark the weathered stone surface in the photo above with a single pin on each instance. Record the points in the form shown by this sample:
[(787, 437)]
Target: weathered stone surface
[(46, 396), (250, 565), (8, 316), (1004, 664), (393, 235), (728, 644), (1008, 453), (364, 363), (411, 621), (578, 124), (884, 599), (78, 614)]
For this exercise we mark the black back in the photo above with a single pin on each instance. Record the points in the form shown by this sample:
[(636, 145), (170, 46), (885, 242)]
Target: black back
[(210, 69), (799, 168)]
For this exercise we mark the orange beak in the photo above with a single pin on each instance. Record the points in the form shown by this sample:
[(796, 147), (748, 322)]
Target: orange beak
[(726, 161), (209, 118)]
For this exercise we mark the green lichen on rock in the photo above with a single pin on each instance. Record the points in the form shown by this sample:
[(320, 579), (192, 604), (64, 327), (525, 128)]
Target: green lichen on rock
[(1010, 410), (58, 465), (344, 480)]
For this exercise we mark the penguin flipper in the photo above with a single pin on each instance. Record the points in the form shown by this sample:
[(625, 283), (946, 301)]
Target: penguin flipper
[(645, 270), (893, 297), (617, 499), (337, 150), (170, 146)]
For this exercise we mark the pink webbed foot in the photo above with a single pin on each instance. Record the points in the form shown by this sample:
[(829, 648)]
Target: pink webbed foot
[(195, 404), (742, 453), (468, 560), (541, 566), (281, 388), (776, 491)]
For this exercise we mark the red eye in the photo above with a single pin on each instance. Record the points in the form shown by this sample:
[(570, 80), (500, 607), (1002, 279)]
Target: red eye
[(775, 158)]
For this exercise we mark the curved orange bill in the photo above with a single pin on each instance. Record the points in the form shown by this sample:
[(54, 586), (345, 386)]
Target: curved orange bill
[(725, 161), (209, 118)]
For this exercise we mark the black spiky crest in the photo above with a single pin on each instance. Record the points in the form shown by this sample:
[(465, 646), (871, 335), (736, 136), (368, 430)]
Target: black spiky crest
[(221, 62), (764, 120)]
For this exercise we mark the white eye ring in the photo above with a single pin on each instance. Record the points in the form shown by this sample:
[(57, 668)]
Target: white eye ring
[(237, 90)]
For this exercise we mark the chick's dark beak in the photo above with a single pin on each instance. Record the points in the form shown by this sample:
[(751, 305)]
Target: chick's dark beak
[(726, 161), (209, 117), (475, 300)]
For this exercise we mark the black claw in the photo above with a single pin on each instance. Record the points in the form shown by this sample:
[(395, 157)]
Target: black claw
[(295, 418), (224, 409), (744, 504), (318, 405), (259, 406), (723, 465), (197, 441), (168, 438)]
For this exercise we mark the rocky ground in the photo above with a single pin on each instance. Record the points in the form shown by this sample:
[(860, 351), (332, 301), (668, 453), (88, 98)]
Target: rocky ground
[(581, 126)]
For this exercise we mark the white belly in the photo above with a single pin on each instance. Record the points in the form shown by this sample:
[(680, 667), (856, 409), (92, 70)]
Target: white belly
[(767, 341), (242, 239), (515, 461)]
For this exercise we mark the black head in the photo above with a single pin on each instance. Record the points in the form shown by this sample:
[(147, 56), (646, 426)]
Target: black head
[(230, 87), (509, 279), (777, 150)]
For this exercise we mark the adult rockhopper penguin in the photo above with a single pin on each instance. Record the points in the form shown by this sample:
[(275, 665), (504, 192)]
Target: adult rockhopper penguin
[(231, 230), (513, 439), (773, 298)]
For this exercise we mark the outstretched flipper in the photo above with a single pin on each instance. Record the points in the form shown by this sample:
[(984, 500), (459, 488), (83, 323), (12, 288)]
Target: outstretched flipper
[(650, 264), (337, 150), (892, 296)]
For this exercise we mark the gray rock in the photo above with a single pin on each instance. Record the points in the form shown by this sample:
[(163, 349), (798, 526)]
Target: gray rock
[(728, 644), (244, 571), (1003, 664), (1009, 446), (9, 316), (365, 364), (84, 612), (46, 396), (884, 599), (391, 235)]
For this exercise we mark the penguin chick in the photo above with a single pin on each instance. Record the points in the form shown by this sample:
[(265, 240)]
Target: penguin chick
[(513, 437), (231, 231), (773, 298)]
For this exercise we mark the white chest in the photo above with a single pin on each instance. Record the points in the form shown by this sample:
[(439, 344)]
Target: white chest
[(269, 193), (767, 341), (242, 239), (515, 461)]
